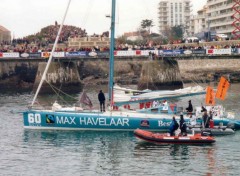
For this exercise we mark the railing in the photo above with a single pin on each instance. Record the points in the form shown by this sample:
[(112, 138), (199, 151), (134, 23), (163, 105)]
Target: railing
[(124, 53)]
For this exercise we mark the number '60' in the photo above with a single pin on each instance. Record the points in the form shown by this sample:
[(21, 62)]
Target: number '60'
[(34, 118)]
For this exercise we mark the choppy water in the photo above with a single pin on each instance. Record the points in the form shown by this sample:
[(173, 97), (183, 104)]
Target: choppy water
[(26, 152)]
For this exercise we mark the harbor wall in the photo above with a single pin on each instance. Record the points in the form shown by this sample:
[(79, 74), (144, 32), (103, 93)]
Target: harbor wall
[(153, 74)]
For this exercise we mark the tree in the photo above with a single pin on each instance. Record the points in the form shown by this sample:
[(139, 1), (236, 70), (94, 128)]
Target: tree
[(147, 24), (121, 40), (177, 32)]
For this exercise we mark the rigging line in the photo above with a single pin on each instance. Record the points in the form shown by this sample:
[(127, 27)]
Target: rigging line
[(147, 11), (198, 98), (177, 68), (51, 55), (55, 88), (195, 81), (56, 93), (60, 87), (39, 105), (88, 10)]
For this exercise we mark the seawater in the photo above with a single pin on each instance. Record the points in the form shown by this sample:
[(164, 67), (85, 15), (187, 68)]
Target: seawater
[(32, 152)]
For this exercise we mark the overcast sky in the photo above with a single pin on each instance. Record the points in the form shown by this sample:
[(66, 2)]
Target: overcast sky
[(25, 17)]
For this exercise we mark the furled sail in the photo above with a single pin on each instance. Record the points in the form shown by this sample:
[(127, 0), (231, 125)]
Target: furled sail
[(121, 97)]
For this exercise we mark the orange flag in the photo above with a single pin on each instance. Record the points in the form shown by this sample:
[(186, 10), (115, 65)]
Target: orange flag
[(222, 88), (210, 96)]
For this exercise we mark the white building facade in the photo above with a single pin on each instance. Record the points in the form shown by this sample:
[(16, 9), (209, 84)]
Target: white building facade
[(199, 22), (5, 35), (220, 16), (173, 13)]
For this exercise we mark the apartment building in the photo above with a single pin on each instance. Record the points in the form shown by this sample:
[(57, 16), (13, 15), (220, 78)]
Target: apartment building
[(220, 15), (173, 13), (199, 23)]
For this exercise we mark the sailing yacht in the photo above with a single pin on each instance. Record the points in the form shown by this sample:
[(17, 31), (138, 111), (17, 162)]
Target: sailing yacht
[(59, 118)]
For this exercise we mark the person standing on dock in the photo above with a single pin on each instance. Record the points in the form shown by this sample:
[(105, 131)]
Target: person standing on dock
[(101, 98)]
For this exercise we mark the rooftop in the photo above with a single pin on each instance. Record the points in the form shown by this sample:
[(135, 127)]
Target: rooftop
[(3, 29)]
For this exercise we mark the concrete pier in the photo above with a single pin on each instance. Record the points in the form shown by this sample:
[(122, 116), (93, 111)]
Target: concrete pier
[(62, 76), (160, 75)]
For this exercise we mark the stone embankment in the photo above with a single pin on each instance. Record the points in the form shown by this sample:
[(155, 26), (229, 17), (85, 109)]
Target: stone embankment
[(158, 74)]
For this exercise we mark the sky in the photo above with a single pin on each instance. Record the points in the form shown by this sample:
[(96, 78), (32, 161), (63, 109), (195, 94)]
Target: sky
[(25, 17)]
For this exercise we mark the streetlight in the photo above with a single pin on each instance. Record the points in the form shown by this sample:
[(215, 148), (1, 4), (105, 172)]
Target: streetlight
[(209, 33)]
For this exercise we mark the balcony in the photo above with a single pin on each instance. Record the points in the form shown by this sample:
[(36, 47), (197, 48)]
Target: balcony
[(162, 20), (217, 16), (213, 2), (164, 12), (224, 31), (163, 15), (220, 23), (223, 7)]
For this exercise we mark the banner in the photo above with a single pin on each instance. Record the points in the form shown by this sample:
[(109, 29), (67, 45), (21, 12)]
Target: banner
[(125, 53), (222, 88), (187, 52), (227, 51), (235, 50), (201, 51), (146, 52), (210, 96), (55, 54), (30, 55), (76, 54), (170, 52), (34, 55), (92, 54), (103, 53), (10, 55)]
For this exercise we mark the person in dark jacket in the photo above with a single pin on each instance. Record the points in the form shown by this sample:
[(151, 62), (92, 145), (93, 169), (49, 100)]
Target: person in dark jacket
[(203, 109), (173, 126), (206, 119), (101, 98), (190, 107), (183, 126)]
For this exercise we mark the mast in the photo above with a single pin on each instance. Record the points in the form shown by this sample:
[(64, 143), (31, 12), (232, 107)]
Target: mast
[(51, 56), (111, 59)]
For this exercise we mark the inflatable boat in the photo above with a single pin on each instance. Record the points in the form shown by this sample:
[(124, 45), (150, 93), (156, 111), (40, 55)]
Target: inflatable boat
[(215, 131), (159, 138)]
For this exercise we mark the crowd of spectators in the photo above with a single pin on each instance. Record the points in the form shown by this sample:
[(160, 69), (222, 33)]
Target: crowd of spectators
[(43, 41), (176, 47), (27, 47)]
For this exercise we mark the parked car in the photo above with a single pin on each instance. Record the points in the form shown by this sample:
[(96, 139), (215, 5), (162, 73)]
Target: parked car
[(191, 40), (222, 37)]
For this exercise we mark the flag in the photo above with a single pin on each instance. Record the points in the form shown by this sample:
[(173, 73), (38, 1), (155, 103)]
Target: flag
[(210, 96), (222, 88), (84, 99)]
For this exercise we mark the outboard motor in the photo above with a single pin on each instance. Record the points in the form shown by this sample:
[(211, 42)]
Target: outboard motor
[(231, 125), (206, 133)]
